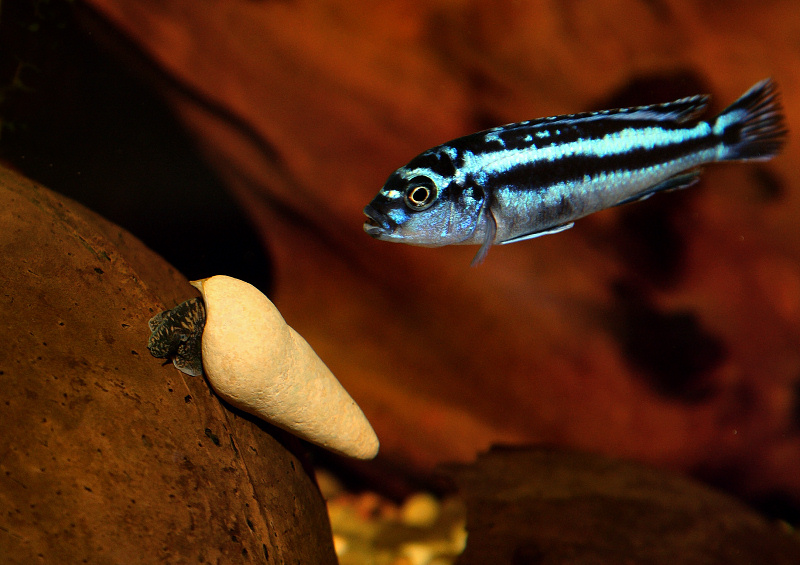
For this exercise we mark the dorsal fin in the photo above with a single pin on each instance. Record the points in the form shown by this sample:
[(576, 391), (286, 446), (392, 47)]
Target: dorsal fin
[(682, 110), (679, 111)]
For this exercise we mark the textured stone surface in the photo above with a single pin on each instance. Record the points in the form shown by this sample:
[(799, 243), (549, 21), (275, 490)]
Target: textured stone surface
[(665, 331), (108, 455), (542, 507)]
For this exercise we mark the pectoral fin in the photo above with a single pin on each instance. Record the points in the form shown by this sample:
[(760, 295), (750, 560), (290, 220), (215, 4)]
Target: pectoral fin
[(548, 231), (491, 232)]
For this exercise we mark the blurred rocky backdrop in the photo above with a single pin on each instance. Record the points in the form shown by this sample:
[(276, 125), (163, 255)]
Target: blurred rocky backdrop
[(244, 138)]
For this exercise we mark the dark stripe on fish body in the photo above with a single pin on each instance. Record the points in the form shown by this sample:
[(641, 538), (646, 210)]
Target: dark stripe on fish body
[(538, 175), (539, 137)]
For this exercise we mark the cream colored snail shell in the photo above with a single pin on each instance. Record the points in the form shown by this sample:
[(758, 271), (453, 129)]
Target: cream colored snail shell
[(259, 364)]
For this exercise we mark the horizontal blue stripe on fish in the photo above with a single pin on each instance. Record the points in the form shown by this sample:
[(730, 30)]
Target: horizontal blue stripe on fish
[(527, 179)]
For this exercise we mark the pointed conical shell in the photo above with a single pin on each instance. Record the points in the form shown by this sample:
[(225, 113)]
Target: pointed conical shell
[(255, 361)]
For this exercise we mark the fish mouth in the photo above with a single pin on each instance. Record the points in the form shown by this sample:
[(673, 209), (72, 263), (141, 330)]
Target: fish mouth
[(377, 224)]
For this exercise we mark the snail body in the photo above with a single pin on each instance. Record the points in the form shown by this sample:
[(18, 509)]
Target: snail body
[(259, 364)]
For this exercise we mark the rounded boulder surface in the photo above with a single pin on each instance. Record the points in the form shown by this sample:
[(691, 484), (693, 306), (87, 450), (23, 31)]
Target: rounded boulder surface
[(109, 455), (545, 506)]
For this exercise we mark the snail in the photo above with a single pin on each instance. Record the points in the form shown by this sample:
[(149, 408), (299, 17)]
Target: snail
[(257, 363)]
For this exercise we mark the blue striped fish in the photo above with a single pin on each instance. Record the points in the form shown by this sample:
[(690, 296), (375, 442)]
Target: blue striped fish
[(528, 179)]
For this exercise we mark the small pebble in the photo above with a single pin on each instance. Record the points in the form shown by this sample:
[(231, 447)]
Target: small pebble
[(417, 553), (340, 545), (458, 537), (420, 510), (369, 529)]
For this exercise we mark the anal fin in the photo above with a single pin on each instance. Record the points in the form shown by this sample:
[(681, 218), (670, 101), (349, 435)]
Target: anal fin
[(548, 231), (681, 180)]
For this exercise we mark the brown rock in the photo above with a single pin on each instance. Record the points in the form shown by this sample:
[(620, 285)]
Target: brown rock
[(107, 455), (542, 507)]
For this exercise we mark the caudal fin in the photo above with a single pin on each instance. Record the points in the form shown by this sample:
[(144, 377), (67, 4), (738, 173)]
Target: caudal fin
[(753, 127)]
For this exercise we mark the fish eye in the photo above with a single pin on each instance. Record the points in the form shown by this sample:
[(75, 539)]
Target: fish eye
[(420, 194)]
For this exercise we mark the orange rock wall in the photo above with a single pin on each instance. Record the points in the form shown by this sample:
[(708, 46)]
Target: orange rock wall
[(666, 331)]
